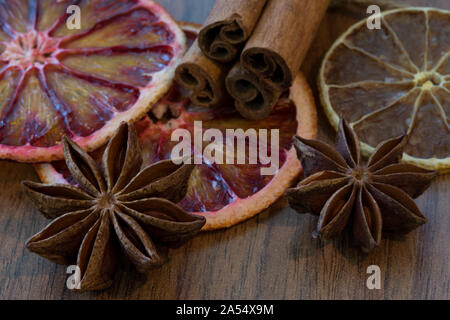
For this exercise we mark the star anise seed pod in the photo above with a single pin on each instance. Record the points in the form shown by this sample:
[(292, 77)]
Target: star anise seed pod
[(116, 204), (341, 189)]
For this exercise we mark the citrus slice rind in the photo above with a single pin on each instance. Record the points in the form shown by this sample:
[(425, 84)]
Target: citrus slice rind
[(225, 194), (401, 72), (83, 82)]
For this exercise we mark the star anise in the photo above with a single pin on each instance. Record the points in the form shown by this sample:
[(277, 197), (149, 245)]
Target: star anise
[(375, 196), (115, 205)]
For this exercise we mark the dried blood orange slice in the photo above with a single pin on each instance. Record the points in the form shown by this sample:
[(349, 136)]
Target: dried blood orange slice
[(392, 81), (56, 81), (225, 193)]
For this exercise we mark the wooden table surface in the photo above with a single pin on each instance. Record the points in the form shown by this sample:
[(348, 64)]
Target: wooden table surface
[(272, 256)]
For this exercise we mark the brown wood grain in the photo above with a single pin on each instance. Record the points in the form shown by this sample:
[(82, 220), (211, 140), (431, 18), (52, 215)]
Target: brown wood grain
[(272, 256)]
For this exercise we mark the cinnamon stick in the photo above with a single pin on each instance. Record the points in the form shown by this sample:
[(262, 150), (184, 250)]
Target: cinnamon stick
[(254, 98), (281, 39), (202, 76), (228, 26)]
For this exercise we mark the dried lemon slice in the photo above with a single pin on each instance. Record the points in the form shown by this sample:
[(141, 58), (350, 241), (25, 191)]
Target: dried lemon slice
[(392, 81)]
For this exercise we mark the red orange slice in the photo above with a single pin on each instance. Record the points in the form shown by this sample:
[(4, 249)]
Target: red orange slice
[(55, 80), (224, 193)]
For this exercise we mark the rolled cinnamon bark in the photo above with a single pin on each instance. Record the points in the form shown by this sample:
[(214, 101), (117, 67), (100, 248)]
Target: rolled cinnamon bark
[(202, 76), (254, 99), (228, 26), (281, 39)]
